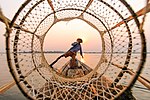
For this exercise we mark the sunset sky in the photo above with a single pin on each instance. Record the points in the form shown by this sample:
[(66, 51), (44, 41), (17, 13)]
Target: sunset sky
[(53, 41)]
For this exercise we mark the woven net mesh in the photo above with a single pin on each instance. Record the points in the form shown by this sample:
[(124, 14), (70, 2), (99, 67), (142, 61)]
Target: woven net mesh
[(122, 43)]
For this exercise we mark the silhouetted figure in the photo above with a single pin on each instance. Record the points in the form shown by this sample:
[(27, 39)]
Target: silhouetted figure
[(76, 46)]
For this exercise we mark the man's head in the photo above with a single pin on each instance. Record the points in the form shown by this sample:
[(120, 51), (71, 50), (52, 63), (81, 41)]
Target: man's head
[(79, 40)]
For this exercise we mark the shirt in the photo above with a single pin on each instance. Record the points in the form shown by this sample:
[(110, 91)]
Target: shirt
[(76, 47)]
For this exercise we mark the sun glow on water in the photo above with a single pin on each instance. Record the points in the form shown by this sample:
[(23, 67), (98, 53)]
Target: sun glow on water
[(82, 60)]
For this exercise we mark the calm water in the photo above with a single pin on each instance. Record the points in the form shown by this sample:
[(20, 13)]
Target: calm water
[(139, 91)]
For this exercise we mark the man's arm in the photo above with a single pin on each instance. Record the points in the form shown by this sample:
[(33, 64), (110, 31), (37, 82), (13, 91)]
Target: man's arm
[(81, 51)]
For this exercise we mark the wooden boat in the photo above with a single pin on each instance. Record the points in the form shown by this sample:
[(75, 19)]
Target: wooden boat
[(96, 90)]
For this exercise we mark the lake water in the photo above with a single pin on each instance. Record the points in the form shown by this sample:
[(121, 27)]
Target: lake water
[(139, 91)]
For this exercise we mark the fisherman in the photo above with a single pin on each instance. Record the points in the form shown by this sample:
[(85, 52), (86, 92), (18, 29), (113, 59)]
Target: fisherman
[(76, 46)]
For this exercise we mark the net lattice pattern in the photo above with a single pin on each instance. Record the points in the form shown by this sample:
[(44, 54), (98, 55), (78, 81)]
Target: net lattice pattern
[(122, 43)]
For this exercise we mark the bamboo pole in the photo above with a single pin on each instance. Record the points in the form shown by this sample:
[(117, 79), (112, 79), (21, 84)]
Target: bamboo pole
[(87, 6), (7, 22), (52, 7), (7, 86), (4, 20), (141, 79), (139, 13)]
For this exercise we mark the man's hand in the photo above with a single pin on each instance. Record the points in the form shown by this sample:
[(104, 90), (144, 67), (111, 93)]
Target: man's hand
[(82, 56)]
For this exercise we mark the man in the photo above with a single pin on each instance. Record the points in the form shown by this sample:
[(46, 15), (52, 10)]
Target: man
[(76, 46)]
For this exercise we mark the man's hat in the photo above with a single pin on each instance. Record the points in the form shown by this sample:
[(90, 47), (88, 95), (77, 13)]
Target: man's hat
[(79, 40)]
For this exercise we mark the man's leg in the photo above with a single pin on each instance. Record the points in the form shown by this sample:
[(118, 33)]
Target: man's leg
[(56, 60), (73, 60)]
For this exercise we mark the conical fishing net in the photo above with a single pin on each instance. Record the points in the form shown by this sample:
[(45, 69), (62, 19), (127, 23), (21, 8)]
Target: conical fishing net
[(119, 63)]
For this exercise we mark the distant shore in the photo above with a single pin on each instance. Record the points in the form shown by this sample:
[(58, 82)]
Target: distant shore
[(86, 52)]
